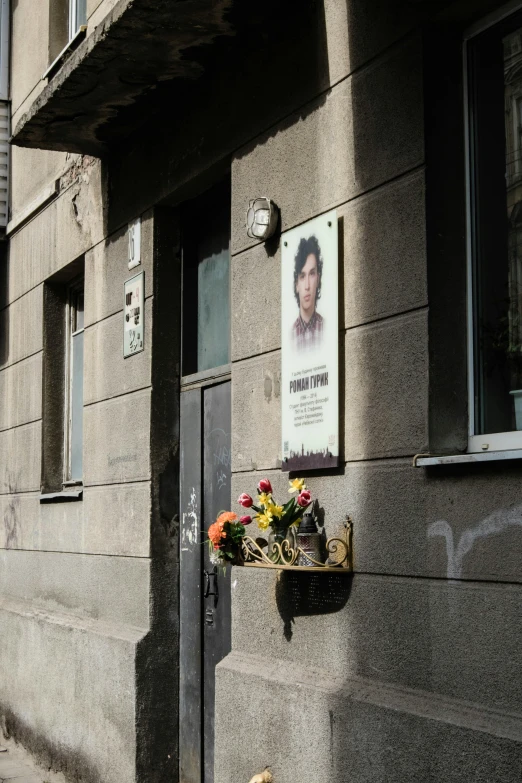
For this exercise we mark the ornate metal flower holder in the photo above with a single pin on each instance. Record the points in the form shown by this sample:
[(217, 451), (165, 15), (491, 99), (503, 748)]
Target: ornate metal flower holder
[(339, 555)]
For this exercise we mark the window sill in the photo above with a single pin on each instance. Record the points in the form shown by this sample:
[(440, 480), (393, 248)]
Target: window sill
[(62, 497), (69, 47), (425, 460)]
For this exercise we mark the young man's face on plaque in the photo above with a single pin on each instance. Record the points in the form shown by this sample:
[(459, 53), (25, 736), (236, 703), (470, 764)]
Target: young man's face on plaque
[(306, 287), (307, 331)]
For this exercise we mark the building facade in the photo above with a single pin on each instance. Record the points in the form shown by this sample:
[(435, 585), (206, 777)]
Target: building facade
[(140, 132)]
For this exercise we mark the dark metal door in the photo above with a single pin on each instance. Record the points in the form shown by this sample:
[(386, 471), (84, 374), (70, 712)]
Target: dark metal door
[(204, 589)]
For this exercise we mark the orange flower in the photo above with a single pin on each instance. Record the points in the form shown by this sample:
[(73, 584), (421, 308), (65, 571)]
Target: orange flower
[(216, 533), (226, 516)]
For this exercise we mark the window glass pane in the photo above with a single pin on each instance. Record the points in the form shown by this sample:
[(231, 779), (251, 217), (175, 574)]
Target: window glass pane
[(496, 178), (78, 312), (81, 13), (206, 262), (77, 16), (213, 310), (76, 443)]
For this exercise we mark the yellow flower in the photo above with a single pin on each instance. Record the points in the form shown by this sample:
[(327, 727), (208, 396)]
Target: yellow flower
[(265, 498), (296, 485), (264, 520), (275, 510)]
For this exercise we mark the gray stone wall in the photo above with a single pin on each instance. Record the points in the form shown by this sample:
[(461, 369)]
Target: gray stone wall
[(75, 606), (72, 617), (408, 671)]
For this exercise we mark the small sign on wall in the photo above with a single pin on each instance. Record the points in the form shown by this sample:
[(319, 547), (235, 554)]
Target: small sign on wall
[(134, 235), (310, 345), (133, 315)]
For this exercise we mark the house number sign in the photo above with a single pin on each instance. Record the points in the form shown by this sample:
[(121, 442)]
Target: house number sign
[(133, 315)]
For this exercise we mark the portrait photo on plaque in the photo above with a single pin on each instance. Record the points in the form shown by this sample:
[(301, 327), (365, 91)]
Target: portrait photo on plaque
[(310, 345)]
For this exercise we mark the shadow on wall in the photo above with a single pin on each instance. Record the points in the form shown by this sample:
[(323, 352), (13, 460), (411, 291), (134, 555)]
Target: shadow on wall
[(304, 595), (72, 764), (282, 48)]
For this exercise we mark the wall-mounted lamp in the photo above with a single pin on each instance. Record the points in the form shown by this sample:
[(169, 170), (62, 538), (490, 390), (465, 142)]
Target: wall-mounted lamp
[(261, 219)]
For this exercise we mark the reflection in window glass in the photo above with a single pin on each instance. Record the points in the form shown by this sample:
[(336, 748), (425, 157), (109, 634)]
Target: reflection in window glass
[(496, 180), (213, 309), (77, 16), (206, 263)]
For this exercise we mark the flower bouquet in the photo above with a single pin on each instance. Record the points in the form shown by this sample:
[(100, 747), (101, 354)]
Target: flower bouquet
[(281, 519), (225, 537)]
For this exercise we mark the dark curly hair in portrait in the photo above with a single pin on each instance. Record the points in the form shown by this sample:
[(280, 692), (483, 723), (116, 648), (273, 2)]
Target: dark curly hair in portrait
[(306, 248)]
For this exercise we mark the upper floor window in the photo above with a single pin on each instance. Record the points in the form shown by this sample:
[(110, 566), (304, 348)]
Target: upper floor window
[(77, 16), (494, 83), (66, 18)]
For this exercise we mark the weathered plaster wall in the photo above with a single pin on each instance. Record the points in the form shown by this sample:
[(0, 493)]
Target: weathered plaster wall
[(30, 33), (36, 171)]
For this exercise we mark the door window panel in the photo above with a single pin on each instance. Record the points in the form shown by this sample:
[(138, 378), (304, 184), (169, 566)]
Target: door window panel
[(206, 281)]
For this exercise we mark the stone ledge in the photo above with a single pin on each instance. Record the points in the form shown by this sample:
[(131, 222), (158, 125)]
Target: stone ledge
[(305, 725), (464, 714), (70, 622)]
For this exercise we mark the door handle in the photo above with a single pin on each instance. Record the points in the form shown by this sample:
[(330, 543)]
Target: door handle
[(211, 575)]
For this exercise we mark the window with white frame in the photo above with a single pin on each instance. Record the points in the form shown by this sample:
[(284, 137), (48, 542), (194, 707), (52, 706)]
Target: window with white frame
[(73, 425), (66, 20), (77, 16), (494, 135)]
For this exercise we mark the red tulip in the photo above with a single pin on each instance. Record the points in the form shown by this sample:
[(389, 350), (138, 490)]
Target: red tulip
[(245, 500), (304, 498), (246, 520), (264, 486)]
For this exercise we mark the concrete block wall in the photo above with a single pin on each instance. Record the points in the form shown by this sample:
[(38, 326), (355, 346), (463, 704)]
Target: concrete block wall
[(407, 670), (75, 577)]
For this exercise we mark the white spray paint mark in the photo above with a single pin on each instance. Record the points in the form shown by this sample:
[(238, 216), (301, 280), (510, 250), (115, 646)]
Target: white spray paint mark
[(489, 526), (189, 533), (234, 583), (221, 478)]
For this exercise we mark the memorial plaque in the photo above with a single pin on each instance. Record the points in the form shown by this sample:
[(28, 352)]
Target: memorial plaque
[(310, 345)]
